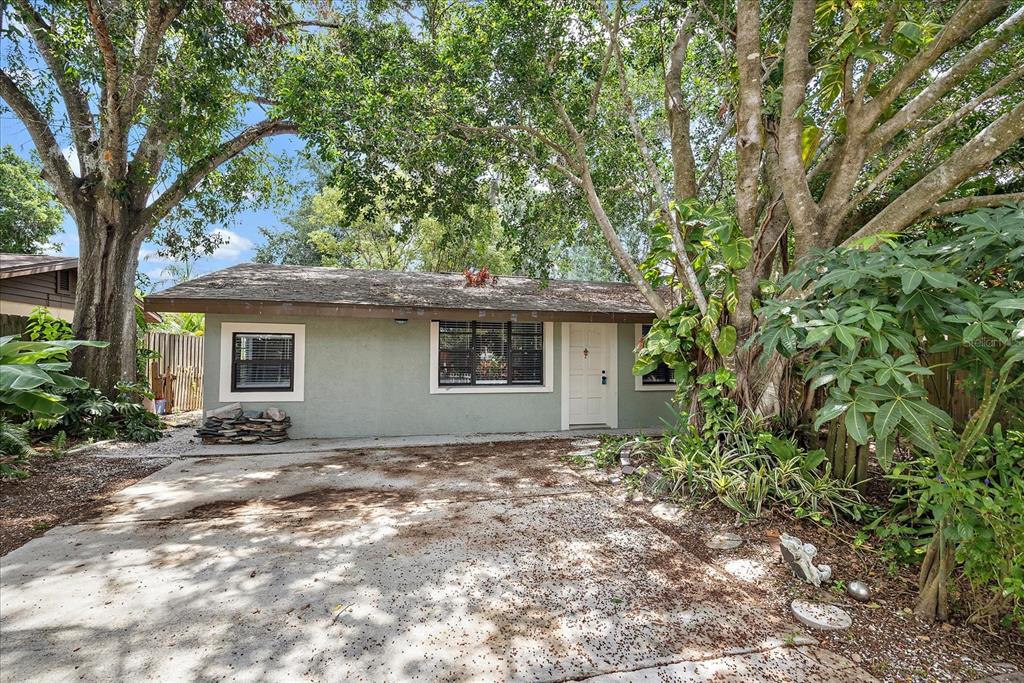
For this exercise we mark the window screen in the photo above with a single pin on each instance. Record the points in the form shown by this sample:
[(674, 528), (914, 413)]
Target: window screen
[(490, 353), (662, 374), (63, 280), (262, 362)]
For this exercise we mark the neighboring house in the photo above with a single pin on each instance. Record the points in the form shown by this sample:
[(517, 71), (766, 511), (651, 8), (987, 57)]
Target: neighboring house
[(30, 280), (375, 353)]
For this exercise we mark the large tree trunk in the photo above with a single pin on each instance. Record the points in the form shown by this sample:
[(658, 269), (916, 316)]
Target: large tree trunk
[(105, 303)]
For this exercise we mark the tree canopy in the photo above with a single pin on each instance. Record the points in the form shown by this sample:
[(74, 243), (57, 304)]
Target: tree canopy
[(29, 213)]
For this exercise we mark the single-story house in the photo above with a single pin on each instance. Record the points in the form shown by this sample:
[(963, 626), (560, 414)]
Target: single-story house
[(381, 353), (31, 280)]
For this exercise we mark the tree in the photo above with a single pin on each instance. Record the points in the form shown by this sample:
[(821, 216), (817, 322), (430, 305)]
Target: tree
[(738, 157), (163, 122), (29, 213)]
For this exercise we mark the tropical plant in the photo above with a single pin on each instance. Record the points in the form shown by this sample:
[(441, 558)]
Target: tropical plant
[(868, 323), (44, 326), (980, 502), (32, 375), (90, 413), (15, 448)]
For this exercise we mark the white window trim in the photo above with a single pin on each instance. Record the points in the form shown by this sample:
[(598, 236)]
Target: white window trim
[(612, 339), (638, 381), (227, 331), (549, 370)]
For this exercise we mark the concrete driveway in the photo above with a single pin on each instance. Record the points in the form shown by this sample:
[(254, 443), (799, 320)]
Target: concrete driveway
[(473, 562)]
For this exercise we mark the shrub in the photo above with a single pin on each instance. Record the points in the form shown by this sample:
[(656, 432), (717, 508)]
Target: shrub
[(44, 326), (91, 414), (31, 372), (981, 505), (15, 448)]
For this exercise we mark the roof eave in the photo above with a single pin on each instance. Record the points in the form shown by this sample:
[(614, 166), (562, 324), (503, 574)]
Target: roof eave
[(36, 269), (307, 309)]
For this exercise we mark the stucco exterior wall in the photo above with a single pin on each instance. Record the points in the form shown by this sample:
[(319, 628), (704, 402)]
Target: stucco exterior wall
[(371, 377)]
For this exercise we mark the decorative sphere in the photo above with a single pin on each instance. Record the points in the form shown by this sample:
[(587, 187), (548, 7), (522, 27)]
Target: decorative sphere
[(859, 591)]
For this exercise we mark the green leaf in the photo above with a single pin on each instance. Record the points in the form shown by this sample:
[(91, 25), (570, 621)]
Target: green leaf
[(737, 252), (883, 451), (828, 412), (887, 417), (910, 280), (857, 426), (726, 342)]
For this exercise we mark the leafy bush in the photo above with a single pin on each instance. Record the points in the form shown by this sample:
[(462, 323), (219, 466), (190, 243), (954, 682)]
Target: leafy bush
[(44, 326), (980, 502), (91, 414), (15, 448), (31, 372), (735, 458)]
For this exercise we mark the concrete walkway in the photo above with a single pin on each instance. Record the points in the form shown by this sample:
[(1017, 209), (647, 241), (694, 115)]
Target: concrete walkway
[(444, 563)]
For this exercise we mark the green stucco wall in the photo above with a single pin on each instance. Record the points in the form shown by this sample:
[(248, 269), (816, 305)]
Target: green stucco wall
[(370, 377)]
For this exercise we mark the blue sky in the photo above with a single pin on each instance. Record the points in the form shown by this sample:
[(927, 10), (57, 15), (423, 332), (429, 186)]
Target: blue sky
[(242, 230)]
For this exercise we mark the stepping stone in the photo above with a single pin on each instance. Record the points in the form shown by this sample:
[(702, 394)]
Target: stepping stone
[(582, 453), (668, 512), (628, 469), (585, 443), (724, 541), (820, 616)]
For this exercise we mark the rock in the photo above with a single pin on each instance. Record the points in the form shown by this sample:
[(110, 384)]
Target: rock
[(275, 414), (820, 616), (724, 541), (585, 443), (859, 591), (582, 453), (799, 556), (857, 659), (250, 413), (668, 512), (628, 469), (229, 411), (615, 479)]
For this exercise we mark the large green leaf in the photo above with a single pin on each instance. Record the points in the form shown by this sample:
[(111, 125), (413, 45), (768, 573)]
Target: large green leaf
[(726, 341), (857, 426)]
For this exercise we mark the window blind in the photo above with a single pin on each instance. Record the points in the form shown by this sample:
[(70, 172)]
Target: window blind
[(490, 353), (262, 362)]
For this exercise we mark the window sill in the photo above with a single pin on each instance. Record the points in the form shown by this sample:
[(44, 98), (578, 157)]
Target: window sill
[(494, 389), (260, 396), (655, 387)]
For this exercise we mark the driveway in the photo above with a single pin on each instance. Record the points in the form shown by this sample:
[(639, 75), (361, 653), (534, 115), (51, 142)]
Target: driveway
[(479, 561)]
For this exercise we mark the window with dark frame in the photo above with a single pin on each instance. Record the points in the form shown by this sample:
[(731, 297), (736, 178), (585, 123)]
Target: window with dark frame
[(63, 280), (475, 353), (262, 361), (662, 374)]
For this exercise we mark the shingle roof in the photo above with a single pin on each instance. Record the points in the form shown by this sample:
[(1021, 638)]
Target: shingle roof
[(15, 265), (301, 290)]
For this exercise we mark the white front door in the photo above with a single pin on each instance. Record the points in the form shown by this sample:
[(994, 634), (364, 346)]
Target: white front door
[(590, 374)]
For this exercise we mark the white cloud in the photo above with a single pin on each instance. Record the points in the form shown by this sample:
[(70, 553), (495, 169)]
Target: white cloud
[(68, 241), (233, 246)]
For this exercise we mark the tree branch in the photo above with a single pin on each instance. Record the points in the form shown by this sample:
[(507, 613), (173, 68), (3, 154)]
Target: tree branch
[(969, 17), (55, 166), (76, 103), (595, 95), (678, 114), (944, 82), (158, 20), (970, 203), (973, 157), (191, 178), (803, 210), (915, 146), (749, 137)]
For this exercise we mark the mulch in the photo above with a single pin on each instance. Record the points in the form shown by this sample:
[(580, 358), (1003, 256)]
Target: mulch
[(61, 491), (886, 639)]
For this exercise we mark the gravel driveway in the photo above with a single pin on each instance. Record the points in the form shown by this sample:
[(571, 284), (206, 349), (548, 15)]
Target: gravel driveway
[(482, 562)]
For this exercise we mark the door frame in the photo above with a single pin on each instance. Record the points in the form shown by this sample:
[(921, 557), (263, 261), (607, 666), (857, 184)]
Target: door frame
[(611, 335)]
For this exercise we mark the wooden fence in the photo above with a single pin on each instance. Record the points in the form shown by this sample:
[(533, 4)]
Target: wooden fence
[(181, 355), (12, 324)]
